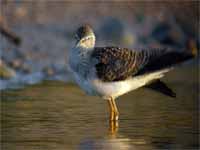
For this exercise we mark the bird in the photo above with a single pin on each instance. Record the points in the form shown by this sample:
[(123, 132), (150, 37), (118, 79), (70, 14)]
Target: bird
[(110, 71)]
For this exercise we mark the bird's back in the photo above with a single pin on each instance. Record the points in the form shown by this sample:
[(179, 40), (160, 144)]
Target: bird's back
[(116, 64)]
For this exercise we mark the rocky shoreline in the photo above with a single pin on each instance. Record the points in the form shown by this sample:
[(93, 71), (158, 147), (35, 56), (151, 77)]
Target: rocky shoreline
[(41, 53)]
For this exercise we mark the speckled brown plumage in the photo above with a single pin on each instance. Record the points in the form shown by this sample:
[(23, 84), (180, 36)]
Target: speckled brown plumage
[(115, 64)]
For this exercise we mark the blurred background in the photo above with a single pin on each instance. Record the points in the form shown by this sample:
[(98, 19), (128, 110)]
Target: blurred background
[(36, 35), (41, 110)]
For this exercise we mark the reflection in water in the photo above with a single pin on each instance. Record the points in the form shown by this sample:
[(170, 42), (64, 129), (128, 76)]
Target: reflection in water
[(112, 141), (107, 144), (58, 116), (114, 125)]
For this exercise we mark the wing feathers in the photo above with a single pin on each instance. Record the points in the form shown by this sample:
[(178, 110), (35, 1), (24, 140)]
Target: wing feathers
[(115, 64), (166, 60)]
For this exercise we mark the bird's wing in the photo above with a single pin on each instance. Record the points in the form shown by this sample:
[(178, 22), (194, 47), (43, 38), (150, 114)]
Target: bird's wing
[(168, 59), (115, 64)]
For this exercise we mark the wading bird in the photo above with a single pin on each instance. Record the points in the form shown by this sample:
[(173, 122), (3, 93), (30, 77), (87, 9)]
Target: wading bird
[(109, 72)]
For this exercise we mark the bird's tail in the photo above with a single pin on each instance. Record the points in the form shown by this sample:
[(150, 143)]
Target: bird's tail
[(161, 87), (172, 58)]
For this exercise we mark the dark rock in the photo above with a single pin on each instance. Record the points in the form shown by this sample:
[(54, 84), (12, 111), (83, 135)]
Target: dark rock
[(112, 30), (16, 63), (5, 71), (169, 34), (49, 71), (26, 68)]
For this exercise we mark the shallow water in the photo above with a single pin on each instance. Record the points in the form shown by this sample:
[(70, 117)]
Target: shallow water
[(59, 116)]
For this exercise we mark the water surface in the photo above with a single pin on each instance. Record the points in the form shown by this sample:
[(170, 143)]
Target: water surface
[(59, 116)]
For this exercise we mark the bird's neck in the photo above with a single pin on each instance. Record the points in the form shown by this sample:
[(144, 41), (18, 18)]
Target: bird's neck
[(81, 52), (79, 60)]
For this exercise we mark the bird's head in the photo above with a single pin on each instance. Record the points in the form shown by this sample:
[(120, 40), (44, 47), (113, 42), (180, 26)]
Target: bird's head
[(85, 37)]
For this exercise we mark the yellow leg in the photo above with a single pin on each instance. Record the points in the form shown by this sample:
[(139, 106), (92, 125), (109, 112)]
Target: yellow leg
[(114, 113), (111, 108)]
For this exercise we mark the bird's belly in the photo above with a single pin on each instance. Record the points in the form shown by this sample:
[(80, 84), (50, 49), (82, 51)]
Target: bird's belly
[(115, 89)]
